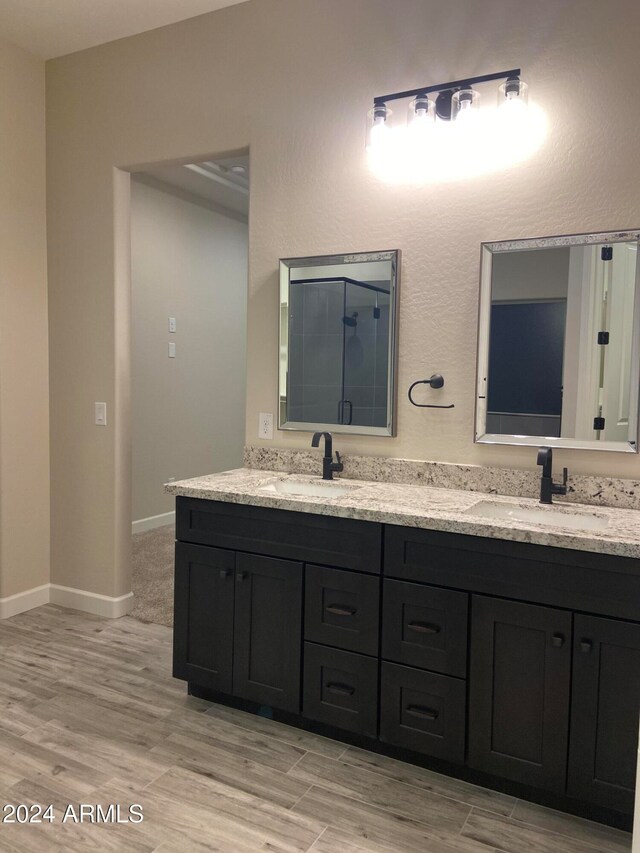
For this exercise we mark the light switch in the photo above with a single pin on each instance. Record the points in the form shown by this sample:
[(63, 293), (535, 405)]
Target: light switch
[(101, 414), (172, 324), (172, 350)]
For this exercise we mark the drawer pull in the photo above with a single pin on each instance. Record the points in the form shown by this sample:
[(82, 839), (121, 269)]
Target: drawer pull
[(557, 641), (424, 627), (241, 576), (340, 689), (586, 646), (224, 573), (422, 713), (341, 610)]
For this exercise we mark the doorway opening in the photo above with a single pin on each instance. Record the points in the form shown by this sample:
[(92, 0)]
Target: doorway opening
[(189, 256)]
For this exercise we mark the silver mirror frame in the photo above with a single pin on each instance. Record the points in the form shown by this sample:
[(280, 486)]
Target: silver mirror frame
[(392, 255), (487, 251)]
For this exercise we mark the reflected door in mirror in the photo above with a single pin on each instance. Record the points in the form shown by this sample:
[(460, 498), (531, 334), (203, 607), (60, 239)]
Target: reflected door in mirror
[(559, 343)]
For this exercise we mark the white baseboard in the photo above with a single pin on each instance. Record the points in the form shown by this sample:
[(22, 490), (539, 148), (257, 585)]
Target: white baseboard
[(144, 524), (64, 596), (91, 602), (21, 601)]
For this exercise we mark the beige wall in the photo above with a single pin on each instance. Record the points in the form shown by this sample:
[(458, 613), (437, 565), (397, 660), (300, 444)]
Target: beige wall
[(188, 412), (539, 274), (24, 391), (293, 79)]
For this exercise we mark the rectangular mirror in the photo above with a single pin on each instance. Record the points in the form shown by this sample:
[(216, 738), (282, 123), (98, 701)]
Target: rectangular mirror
[(559, 342), (338, 343)]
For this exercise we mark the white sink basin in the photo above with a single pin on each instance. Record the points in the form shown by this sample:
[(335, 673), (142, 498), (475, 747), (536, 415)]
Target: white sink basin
[(320, 489), (551, 517)]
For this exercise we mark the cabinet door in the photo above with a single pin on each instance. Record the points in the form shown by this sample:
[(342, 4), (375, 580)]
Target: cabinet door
[(605, 705), (268, 631), (519, 691), (203, 616)]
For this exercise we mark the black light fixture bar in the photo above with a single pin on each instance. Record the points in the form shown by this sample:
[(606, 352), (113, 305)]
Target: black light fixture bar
[(441, 87)]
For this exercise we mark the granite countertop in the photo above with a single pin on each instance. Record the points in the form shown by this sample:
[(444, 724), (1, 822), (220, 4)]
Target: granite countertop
[(448, 510)]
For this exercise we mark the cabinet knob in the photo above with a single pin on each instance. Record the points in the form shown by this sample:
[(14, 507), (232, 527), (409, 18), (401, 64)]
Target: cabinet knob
[(557, 640), (586, 646), (225, 573), (241, 576)]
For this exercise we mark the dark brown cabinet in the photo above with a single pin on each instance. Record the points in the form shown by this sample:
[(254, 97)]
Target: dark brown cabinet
[(238, 624), (340, 542), (203, 616), (506, 660), (604, 712), (528, 706), (425, 626), (519, 691), (341, 689), (268, 631), (342, 609), (423, 711)]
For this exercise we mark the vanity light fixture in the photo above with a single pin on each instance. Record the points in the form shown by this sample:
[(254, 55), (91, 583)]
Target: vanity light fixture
[(446, 125), (452, 100)]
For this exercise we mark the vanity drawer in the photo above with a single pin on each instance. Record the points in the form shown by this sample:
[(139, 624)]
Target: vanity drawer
[(341, 689), (425, 626), (342, 609), (603, 584), (302, 536), (423, 711)]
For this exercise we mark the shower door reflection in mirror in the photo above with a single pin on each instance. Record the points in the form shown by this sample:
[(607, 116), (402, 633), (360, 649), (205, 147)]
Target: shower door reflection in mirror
[(559, 338), (337, 342)]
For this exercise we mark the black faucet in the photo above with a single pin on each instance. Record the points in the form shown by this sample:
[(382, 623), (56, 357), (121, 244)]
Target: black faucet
[(547, 487), (328, 465)]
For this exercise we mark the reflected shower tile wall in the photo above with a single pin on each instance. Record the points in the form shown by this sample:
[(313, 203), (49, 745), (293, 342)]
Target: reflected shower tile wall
[(322, 359), (362, 396), (330, 361), (320, 403), (379, 416)]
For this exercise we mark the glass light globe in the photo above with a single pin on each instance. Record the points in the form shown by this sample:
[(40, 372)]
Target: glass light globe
[(378, 126), (513, 95), (464, 106)]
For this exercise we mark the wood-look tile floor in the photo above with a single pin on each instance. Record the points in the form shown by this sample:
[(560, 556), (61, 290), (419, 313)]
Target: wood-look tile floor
[(89, 713)]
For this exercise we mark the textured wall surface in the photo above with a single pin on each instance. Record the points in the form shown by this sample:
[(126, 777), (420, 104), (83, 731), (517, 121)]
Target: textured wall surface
[(188, 412), (24, 386), (293, 79)]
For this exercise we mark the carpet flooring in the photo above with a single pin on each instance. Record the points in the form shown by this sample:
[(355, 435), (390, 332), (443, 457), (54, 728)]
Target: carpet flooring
[(152, 575)]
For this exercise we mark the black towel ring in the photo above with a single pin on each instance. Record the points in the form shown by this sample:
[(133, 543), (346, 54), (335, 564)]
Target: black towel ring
[(435, 381)]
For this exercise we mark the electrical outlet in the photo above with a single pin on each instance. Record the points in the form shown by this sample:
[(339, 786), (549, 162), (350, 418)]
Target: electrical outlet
[(265, 425), (172, 324)]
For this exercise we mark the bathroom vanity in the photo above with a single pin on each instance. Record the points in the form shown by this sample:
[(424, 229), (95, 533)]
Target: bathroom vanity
[(412, 621)]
